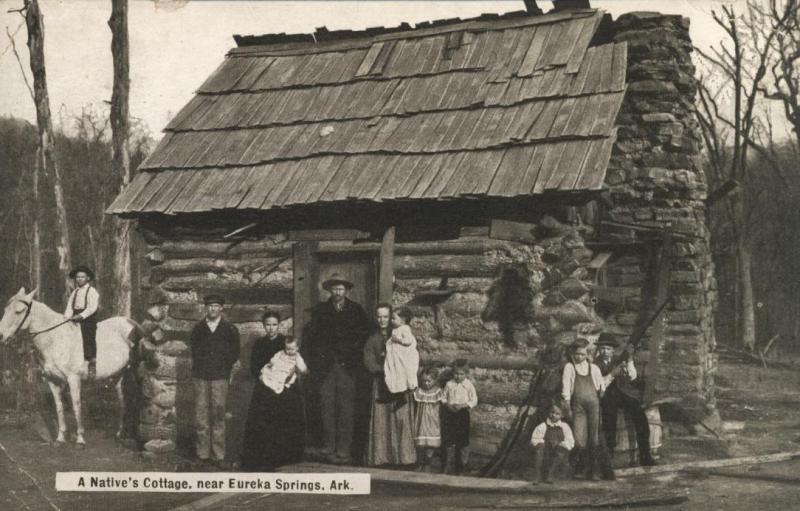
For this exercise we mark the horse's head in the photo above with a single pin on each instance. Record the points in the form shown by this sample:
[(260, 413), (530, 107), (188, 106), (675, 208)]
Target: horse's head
[(16, 315)]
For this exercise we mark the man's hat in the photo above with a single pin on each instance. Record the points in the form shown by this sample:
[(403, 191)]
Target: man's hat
[(607, 339), (334, 280), (208, 300), (81, 269)]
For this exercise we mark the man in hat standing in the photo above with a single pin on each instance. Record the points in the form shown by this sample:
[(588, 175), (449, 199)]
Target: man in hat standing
[(334, 346), (214, 344), (82, 308), (623, 391)]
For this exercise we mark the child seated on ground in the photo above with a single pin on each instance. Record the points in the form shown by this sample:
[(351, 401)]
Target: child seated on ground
[(281, 371), (427, 431), (552, 441), (402, 358), (459, 398)]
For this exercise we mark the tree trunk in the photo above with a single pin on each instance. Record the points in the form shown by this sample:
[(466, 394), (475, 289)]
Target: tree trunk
[(744, 278), (748, 317), (50, 177), (121, 162)]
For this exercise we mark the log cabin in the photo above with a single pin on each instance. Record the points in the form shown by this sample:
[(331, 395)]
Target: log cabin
[(517, 180)]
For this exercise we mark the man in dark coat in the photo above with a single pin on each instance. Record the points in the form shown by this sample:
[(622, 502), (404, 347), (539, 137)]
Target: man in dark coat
[(333, 348), (623, 392), (214, 344)]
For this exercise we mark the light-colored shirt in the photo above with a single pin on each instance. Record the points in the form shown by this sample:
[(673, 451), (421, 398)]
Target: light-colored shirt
[(460, 393), (212, 324), (538, 434), (85, 297), (568, 378)]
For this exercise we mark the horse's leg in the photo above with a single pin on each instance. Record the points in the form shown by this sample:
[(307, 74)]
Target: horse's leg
[(55, 389), (121, 403), (75, 394)]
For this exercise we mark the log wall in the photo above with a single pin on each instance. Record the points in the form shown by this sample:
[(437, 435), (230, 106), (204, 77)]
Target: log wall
[(493, 302)]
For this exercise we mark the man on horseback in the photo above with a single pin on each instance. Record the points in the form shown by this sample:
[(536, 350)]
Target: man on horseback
[(82, 309)]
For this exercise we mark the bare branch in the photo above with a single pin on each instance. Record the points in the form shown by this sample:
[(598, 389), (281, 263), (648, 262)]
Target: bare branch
[(19, 61)]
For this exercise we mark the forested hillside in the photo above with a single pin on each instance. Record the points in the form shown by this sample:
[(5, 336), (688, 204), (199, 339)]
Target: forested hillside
[(85, 160), (773, 212)]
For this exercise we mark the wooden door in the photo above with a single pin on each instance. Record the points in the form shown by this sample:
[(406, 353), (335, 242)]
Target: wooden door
[(358, 268), (312, 267)]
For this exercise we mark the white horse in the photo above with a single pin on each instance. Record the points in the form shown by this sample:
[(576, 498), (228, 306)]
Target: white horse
[(60, 345)]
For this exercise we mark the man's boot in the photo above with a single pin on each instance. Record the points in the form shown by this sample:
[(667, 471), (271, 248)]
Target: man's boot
[(590, 464), (579, 457), (602, 464), (92, 373)]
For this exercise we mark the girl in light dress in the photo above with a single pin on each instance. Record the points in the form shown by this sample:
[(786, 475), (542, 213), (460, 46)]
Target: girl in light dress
[(427, 428)]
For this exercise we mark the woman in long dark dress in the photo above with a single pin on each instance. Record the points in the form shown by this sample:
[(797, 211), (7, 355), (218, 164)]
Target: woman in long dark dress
[(391, 424), (274, 433)]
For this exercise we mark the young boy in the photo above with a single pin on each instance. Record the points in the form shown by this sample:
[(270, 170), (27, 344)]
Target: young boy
[(82, 309), (281, 371), (459, 397), (402, 358), (552, 441)]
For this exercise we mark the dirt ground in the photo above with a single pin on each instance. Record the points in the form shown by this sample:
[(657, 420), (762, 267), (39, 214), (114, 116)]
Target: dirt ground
[(758, 408)]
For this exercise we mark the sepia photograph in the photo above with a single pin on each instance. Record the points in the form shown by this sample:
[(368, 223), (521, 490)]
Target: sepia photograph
[(385, 254)]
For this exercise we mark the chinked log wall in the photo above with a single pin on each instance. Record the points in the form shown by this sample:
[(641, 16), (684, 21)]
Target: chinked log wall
[(502, 301)]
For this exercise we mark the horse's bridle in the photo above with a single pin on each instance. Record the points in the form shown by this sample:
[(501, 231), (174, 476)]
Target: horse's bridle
[(28, 307)]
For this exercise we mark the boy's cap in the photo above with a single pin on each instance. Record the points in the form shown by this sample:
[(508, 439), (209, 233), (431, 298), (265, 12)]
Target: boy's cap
[(208, 300)]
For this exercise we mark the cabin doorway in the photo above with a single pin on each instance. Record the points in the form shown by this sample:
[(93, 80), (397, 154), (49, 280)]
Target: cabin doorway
[(360, 269), (311, 268)]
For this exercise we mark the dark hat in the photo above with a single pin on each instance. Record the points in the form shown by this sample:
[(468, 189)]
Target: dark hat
[(336, 279), (607, 339), (208, 300), (81, 268)]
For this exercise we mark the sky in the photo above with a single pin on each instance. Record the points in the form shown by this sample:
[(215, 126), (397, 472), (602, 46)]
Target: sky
[(176, 44)]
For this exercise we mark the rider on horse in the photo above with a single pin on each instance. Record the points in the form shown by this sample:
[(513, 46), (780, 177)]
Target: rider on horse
[(82, 308)]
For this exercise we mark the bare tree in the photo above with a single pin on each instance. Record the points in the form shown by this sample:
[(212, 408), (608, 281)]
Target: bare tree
[(733, 123), (49, 191), (121, 160)]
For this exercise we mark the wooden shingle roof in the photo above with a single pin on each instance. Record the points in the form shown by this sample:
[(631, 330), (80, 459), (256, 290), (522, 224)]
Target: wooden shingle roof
[(503, 107)]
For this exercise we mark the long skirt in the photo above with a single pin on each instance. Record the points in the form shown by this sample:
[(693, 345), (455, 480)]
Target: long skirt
[(391, 428), (274, 433)]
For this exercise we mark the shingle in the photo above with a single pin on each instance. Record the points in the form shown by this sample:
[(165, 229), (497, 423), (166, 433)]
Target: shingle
[(520, 106)]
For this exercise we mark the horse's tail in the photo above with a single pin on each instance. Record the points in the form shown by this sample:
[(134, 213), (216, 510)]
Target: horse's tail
[(131, 384)]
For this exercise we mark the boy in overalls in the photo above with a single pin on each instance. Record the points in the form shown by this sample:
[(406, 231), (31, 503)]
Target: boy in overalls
[(582, 384), (82, 309)]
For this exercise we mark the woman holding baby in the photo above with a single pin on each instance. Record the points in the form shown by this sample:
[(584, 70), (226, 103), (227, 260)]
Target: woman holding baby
[(274, 433)]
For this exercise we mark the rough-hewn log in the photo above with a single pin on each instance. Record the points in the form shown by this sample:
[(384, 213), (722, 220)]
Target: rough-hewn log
[(483, 360), (218, 265), (189, 248), (444, 266), (270, 248), (232, 283), (407, 286), (232, 291), (234, 313), (452, 247)]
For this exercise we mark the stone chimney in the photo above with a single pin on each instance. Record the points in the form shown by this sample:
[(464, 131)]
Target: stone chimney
[(655, 179)]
